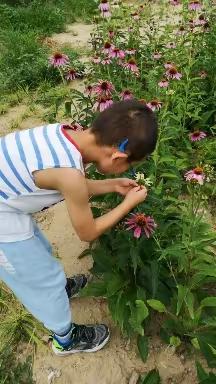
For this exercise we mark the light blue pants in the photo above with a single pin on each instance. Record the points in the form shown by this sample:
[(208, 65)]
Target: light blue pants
[(37, 279)]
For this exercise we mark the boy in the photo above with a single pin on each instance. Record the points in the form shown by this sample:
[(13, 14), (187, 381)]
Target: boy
[(42, 166)]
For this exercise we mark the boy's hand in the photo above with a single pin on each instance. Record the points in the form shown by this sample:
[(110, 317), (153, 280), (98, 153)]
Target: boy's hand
[(124, 185), (135, 196)]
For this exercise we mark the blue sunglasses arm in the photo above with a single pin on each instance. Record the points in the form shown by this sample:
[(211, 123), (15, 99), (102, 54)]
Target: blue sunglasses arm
[(122, 146)]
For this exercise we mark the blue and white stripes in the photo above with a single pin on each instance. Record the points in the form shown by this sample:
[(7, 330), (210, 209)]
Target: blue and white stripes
[(22, 153)]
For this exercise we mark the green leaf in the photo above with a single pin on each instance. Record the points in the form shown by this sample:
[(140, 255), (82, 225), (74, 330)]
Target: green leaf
[(169, 175), (208, 353), (68, 108), (201, 374), (175, 341), (152, 377), (135, 258), (189, 301), (195, 343), (209, 302), (154, 265), (143, 347), (119, 309), (157, 305), (94, 289), (138, 314), (114, 284), (182, 293)]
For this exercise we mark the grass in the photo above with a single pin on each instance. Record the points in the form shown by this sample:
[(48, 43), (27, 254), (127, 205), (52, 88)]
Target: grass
[(24, 24), (13, 371)]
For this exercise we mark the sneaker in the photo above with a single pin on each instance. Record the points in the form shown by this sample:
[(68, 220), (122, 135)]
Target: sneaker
[(84, 338), (75, 284)]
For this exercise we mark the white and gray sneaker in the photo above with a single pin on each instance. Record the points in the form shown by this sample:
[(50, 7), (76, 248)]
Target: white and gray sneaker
[(84, 338)]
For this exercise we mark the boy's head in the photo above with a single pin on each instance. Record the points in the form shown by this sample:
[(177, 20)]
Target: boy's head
[(128, 132)]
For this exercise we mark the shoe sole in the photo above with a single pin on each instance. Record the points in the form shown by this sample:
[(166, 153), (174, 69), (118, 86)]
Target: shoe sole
[(95, 349)]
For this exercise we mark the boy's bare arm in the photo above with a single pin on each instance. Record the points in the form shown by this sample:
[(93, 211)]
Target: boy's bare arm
[(119, 185), (73, 186)]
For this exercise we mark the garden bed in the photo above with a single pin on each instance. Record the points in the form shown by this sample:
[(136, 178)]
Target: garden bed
[(134, 276)]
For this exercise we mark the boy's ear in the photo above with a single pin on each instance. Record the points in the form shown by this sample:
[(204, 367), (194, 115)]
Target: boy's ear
[(119, 155)]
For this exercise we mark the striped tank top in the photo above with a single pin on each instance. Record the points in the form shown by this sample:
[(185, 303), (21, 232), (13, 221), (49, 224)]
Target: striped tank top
[(22, 153)]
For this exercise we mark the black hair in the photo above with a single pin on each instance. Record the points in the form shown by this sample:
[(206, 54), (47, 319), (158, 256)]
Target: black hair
[(129, 119)]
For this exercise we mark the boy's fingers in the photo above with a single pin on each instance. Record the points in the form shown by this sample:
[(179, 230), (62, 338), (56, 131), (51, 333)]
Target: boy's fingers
[(132, 182)]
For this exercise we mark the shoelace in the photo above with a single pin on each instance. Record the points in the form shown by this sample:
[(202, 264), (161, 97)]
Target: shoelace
[(83, 333)]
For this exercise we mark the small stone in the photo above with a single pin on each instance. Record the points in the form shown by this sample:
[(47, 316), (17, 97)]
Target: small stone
[(52, 375), (169, 365), (134, 378)]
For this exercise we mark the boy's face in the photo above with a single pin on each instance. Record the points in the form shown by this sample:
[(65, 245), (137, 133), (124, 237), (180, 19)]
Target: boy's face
[(113, 163)]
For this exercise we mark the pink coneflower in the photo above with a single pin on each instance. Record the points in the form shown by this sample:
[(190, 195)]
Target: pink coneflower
[(191, 23), (130, 29), (181, 30), (132, 65), (58, 59), (168, 64), (157, 55), (174, 2), (194, 5), (203, 74), (115, 5), (172, 73), (89, 90), (154, 105), (111, 34), (171, 45), (106, 14), (116, 52), (135, 16), (206, 26), (102, 103), (201, 20), (197, 135), (71, 74), (103, 88), (196, 175), (130, 51), (96, 59), (163, 83), (141, 225), (108, 47), (126, 95), (106, 61), (104, 5)]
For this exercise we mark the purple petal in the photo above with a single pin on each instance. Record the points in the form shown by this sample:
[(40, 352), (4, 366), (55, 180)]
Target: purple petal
[(137, 232)]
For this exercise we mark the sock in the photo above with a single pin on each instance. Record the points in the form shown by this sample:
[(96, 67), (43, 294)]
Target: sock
[(65, 339)]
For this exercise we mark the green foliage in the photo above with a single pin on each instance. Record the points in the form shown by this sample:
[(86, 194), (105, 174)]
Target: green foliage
[(13, 371), (152, 377), (24, 56), (142, 344), (23, 61), (173, 273), (16, 323), (41, 18), (203, 376)]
